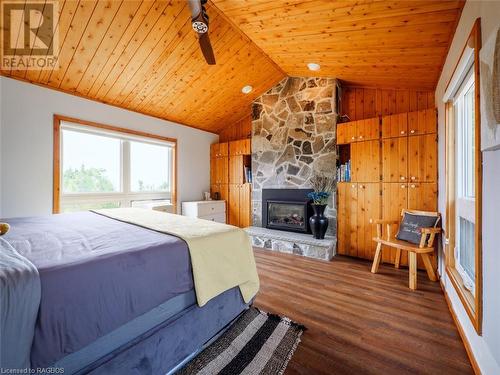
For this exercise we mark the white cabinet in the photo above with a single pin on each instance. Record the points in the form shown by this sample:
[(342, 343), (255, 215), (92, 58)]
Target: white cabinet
[(208, 210)]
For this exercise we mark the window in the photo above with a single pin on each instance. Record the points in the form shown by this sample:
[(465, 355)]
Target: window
[(463, 108), (463, 254), (98, 166)]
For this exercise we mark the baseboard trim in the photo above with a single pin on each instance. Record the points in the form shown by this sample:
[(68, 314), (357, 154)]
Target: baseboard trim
[(467, 346)]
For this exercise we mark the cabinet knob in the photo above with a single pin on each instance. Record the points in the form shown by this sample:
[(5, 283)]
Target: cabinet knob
[(413, 186), (402, 131), (403, 186), (353, 138), (403, 178), (360, 137), (413, 178), (412, 131), (353, 186)]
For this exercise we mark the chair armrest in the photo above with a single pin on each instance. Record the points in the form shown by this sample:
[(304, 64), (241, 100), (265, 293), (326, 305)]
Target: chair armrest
[(430, 230)]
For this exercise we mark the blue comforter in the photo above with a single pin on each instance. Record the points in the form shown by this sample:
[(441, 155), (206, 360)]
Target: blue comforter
[(96, 274)]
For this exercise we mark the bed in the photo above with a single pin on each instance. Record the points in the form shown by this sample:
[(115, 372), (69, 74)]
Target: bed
[(93, 292)]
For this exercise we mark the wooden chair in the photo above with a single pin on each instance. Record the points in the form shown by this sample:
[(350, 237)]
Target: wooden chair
[(424, 248)]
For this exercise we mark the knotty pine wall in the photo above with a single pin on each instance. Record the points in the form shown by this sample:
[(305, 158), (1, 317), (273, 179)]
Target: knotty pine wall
[(240, 130), (364, 102)]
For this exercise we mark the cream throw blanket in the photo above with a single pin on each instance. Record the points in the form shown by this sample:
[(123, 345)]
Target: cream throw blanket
[(221, 255)]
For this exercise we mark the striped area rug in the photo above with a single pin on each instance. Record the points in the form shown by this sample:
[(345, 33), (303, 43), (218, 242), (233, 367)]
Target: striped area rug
[(257, 343)]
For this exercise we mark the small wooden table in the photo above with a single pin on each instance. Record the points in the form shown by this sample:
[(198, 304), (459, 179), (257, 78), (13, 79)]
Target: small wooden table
[(424, 248)]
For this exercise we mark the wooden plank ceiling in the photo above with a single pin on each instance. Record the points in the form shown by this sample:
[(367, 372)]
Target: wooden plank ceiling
[(378, 43), (144, 56)]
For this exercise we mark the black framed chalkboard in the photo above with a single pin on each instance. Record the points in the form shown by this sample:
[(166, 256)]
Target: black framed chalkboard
[(409, 229)]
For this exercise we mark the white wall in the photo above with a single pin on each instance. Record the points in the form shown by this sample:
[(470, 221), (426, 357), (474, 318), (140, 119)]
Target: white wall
[(486, 348), (26, 120)]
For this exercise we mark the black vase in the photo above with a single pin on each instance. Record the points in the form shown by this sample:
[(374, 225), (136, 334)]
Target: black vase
[(318, 221)]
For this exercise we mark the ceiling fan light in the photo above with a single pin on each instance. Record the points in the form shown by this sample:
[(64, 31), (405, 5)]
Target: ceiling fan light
[(247, 89), (314, 67)]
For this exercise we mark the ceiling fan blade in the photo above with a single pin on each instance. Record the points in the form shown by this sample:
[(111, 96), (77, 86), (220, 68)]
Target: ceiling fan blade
[(206, 49), (195, 6)]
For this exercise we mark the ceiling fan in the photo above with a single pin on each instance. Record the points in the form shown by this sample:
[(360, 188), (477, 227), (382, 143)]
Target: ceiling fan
[(199, 21)]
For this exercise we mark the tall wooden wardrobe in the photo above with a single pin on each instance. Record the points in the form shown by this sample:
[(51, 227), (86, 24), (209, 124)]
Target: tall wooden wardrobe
[(393, 166), (227, 177)]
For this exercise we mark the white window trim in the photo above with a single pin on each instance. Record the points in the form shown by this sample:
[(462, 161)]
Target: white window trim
[(125, 196)]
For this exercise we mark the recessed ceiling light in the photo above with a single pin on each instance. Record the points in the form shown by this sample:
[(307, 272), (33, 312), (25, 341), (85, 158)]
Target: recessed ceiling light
[(314, 67), (247, 89)]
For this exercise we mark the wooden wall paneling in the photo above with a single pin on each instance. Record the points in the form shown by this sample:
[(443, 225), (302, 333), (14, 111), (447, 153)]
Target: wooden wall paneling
[(422, 158), (245, 202), (422, 122), (395, 160), (368, 209), (395, 125), (241, 129), (394, 199)]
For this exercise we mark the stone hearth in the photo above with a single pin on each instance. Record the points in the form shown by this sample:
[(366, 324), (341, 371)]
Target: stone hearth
[(293, 243)]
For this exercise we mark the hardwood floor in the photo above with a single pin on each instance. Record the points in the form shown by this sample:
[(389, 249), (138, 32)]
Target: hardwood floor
[(359, 322)]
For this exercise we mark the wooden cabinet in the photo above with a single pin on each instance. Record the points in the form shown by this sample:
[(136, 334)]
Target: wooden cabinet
[(422, 196), (227, 177), (368, 209), (239, 207), (358, 131), (347, 222), (239, 147), (365, 161), (422, 158), (395, 159), (395, 125), (359, 204), (422, 122)]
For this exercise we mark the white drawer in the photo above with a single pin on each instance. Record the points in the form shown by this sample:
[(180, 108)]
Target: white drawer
[(218, 218), (211, 208)]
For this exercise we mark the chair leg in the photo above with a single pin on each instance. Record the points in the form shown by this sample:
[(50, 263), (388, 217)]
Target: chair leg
[(412, 258), (428, 267), (398, 258), (376, 259)]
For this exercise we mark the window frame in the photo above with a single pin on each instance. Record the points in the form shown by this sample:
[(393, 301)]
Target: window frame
[(472, 301), (126, 192)]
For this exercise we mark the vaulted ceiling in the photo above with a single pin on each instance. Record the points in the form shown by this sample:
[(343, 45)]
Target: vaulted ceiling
[(144, 56)]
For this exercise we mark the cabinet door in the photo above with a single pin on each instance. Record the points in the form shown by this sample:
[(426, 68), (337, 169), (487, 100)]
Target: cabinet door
[(214, 150), (213, 170), (246, 147), (395, 125), (342, 133), (394, 200), (352, 129), (346, 216), (422, 196), (365, 159), (234, 148), (236, 169), (368, 129), (234, 205), (221, 174), (368, 209), (422, 122), (395, 159), (224, 149), (245, 199), (422, 158)]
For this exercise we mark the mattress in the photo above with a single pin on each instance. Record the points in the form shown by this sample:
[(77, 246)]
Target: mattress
[(96, 275)]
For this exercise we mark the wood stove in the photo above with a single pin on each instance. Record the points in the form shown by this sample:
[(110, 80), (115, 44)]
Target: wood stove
[(286, 209)]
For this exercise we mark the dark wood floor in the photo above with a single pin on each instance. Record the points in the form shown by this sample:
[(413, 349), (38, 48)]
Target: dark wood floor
[(358, 322)]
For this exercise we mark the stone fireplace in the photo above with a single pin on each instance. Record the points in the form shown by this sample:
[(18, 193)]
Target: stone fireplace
[(293, 137)]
